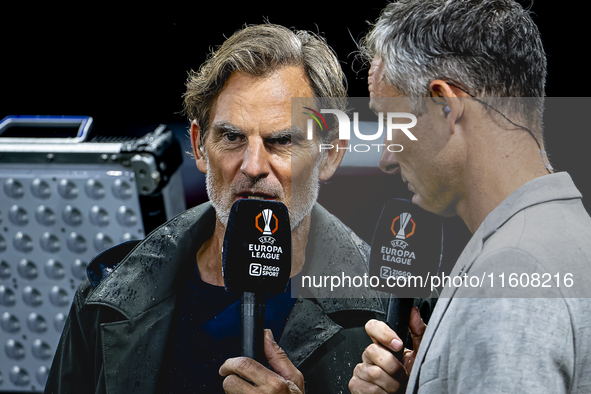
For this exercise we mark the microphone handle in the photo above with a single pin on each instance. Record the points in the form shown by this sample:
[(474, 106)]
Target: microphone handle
[(252, 314), (398, 317)]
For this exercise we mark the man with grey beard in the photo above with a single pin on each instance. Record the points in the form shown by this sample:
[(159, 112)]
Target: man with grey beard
[(156, 317)]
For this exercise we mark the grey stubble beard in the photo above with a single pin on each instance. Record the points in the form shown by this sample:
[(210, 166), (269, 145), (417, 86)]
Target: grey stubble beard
[(301, 203)]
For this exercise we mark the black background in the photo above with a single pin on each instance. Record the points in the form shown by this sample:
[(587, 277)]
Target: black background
[(127, 69)]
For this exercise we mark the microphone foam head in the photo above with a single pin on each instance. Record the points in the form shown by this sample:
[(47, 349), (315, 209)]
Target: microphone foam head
[(256, 254)]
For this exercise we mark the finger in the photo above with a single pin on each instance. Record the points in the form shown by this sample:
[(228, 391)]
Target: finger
[(246, 368), (378, 355), (234, 384), (359, 386), (245, 376), (280, 363), (380, 332), (408, 359), (377, 376)]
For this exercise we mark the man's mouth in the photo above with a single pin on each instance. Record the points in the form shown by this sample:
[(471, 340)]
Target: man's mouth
[(407, 184), (255, 196)]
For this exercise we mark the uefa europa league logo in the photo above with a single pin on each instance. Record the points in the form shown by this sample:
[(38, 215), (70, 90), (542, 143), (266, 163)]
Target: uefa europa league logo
[(267, 215), (405, 230), (404, 219)]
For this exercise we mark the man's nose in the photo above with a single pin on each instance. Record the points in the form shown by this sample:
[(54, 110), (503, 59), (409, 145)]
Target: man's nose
[(255, 163), (388, 163)]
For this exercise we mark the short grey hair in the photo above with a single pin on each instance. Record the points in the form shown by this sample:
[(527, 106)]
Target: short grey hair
[(258, 51), (490, 48)]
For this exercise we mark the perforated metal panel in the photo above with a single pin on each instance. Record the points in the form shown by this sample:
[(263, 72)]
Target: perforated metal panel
[(54, 221), (59, 209)]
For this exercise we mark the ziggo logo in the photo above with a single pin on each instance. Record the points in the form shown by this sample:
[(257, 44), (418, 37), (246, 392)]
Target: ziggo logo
[(345, 129)]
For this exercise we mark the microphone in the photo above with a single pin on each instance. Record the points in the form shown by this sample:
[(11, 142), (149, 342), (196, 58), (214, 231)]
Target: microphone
[(406, 251), (256, 261)]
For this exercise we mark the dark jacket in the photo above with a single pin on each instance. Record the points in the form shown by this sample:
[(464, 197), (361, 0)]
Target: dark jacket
[(114, 338)]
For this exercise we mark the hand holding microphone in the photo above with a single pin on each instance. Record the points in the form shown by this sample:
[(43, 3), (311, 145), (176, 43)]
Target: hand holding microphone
[(380, 367), (405, 252), (256, 261), (244, 375)]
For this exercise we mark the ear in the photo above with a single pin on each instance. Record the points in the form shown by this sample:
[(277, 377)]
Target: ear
[(197, 147), (332, 159), (453, 98)]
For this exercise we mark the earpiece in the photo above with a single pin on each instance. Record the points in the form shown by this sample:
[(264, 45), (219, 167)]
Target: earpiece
[(446, 110)]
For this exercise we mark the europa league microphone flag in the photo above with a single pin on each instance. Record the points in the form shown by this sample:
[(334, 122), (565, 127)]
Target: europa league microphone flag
[(406, 249), (256, 254)]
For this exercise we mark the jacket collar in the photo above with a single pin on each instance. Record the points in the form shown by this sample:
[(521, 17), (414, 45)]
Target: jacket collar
[(142, 279), (333, 249), (540, 190), (552, 187)]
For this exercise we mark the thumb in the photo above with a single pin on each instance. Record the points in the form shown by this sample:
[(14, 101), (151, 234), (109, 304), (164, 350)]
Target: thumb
[(279, 361), (417, 328)]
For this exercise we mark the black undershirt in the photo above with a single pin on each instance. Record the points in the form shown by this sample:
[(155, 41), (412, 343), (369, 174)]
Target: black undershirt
[(205, 332)]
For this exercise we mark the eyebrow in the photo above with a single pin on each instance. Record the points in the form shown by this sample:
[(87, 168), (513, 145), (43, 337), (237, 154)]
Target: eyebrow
[(222, 127), (227, 127), (293, 132)]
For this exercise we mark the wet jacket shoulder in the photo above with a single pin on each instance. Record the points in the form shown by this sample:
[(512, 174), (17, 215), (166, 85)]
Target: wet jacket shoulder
[(114, 337)]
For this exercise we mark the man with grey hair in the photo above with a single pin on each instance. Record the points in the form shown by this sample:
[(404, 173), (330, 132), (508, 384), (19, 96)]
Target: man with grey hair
[(156, 317), (474, 73)]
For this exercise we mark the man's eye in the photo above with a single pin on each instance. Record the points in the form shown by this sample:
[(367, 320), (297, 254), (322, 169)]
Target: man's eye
[(231, 137), (281, 141)]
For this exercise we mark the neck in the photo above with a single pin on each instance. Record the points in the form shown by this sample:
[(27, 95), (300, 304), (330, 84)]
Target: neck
[(496, 170), (209, 256)]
